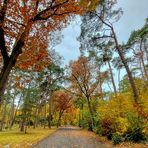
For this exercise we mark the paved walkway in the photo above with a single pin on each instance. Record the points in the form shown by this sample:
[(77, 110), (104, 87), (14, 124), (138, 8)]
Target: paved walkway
[(72, 137)]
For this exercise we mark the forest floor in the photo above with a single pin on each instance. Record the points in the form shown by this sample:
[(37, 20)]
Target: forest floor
[(73, 137)]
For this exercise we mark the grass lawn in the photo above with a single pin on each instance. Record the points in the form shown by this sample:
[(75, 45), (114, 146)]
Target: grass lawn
[(14, 138)]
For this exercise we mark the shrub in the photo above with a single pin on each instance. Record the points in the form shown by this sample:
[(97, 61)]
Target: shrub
[(135, 131), (98, 129), (107, 129), (84, 123), (116, 138), (135, 134), (145, 130), (121, 125)]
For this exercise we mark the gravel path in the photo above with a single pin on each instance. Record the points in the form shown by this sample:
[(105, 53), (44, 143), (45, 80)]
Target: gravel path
[(72, 137)]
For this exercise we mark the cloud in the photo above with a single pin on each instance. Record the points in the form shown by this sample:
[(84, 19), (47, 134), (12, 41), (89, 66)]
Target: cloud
[(69, 47), (135, 12)]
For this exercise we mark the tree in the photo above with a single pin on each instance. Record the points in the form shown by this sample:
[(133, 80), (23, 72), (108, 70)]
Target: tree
[(103, 56), (54, 76), (62, 102), (24, 22), (84, 78), (99, 29), (29, 102), (137, 44)]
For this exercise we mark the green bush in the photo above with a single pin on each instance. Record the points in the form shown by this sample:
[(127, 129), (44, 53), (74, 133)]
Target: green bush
[(135, 131), (116, 138), (135, 134), (84, 123), (109, 136), (98, 129)]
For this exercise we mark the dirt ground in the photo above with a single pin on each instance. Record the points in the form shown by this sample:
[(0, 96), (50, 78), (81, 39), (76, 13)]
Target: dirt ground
[(72, 137)]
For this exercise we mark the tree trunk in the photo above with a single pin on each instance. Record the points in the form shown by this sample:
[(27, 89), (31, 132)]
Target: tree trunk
[(112, 78), (45, 115), (100, 85), (108, 84), (79, 118), (59, 119), (22, 126), (131, 80), (3, 117), (5, 73), (142, 62), (35, 118), (50, 111), (119, 79), (144, 69), (12, 112), (49, 120), (10, 62), (91, 123), (4, 78), (82, 116), (146, 50), (142, 74), (37, 113), (12, 122), (25, 129)]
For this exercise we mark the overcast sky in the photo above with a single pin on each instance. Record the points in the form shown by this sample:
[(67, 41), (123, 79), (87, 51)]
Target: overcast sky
[(135, 13)]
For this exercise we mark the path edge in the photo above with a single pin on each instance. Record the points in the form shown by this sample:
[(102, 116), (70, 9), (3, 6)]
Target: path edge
[(34, 144)]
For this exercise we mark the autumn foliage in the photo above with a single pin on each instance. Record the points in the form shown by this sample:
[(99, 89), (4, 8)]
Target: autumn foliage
[(62, 100), (91, 92), (24, 31), (32, 21)]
